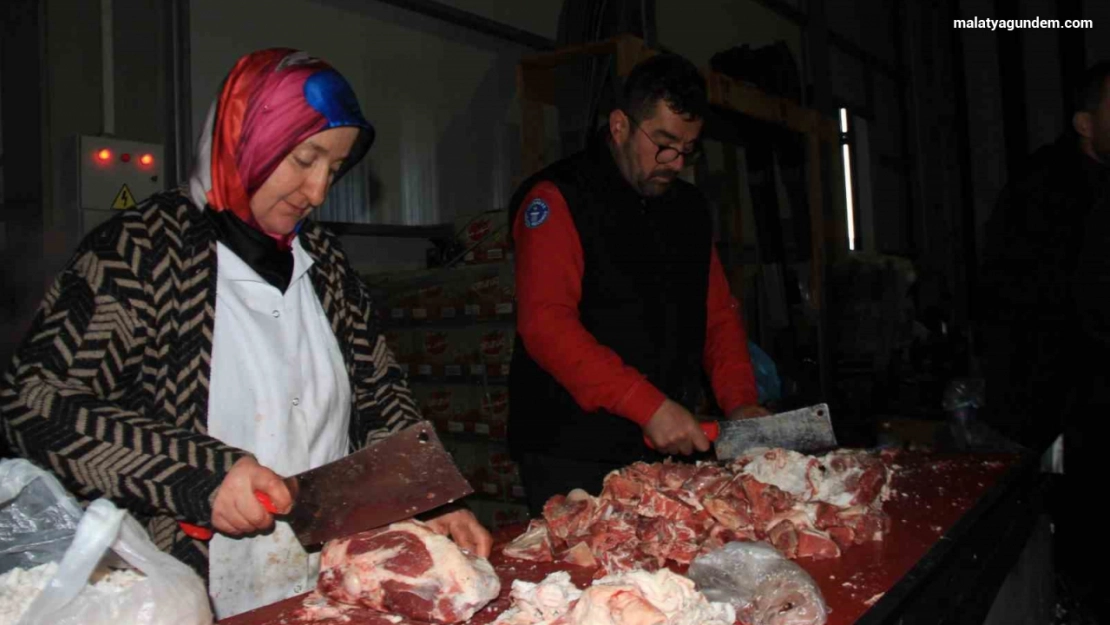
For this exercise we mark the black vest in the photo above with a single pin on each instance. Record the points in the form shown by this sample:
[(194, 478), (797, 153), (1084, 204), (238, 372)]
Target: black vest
[(645, 282)]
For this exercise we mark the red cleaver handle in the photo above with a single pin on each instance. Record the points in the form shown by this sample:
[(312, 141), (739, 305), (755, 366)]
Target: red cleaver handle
[(712, 430), (195, 532), (203, 533), (266, 502)]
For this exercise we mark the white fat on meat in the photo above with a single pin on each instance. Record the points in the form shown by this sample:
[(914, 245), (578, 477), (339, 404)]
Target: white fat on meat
[(834, 490), (788, 470), (834, 487), (579, 495), (643, 598), (808, 478), (632, 598), (540, 604), (410, 570), (317, 608)]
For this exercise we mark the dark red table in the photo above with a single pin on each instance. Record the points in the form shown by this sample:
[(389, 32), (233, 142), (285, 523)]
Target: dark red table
[(959, 522)]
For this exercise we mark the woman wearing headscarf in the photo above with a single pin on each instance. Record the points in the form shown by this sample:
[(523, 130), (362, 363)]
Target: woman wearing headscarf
[(200, 347)]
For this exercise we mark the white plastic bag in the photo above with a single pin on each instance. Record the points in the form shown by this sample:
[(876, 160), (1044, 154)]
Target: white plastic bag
[(170, 594), (37, 516)]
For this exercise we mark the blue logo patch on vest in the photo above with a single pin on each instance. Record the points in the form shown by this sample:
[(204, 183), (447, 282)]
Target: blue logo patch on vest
[(536, 213)]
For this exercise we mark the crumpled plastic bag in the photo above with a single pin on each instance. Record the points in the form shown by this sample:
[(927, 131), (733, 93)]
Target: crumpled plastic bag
[(37, 516), (763, 586), (41, 523), (169, 594)]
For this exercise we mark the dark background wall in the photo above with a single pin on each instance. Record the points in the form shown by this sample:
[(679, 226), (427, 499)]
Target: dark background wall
[(51, 88), (945, 112)]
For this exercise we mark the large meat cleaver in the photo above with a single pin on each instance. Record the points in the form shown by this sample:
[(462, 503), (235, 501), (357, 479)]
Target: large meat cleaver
[(391, 480), (805, 429)]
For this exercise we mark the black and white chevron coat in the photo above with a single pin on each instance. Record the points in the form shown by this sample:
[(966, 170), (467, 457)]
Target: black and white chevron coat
[(110, 388)]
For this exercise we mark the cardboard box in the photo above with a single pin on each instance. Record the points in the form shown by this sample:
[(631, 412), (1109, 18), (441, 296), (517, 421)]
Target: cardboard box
[(500, 463), (452, 297), (469, 458), (400, 342), (447, 405), (494, 402), (401, 297), (422, 395), (444, 346), (494, 344), (488, 295), (487, 233), (482, 296), (511, 484)]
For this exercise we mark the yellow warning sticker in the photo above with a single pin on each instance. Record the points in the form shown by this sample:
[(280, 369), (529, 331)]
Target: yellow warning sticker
[(124, 199)]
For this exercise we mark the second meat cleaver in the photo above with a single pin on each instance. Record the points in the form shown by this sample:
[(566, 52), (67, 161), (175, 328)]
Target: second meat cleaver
[(805, 429)]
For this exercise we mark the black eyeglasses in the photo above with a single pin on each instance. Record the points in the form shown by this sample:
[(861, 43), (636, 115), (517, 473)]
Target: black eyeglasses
[(669, 154)]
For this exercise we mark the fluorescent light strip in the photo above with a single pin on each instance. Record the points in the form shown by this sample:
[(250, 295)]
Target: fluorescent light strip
[(848, 197), (848, 183)]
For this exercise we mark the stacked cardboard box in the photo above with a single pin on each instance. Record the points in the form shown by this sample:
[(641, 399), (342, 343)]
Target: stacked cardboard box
[(452, 331), (485, 236)]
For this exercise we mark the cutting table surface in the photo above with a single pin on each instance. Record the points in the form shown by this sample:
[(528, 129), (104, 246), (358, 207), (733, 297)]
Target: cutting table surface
[(937, 501)]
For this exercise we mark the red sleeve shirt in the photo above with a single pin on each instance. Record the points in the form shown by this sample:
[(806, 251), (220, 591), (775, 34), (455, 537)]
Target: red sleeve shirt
[(726, 344), (549, 269)]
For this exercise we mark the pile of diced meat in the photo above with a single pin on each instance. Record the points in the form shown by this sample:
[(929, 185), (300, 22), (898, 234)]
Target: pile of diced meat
[(649, 514)]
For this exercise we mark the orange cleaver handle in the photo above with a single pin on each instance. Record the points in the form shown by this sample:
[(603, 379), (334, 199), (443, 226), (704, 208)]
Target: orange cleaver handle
[(712, 431), (203, 533)]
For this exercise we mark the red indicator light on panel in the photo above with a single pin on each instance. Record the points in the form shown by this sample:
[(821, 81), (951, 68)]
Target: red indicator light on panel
[(147, 159), (104, 155), (125, 157)]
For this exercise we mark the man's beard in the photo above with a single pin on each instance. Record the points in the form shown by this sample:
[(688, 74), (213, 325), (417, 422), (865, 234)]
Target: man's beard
[(654, 184), (657, 183)]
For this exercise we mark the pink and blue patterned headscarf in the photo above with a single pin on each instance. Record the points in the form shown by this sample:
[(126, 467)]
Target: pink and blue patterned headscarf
[(270, 102)]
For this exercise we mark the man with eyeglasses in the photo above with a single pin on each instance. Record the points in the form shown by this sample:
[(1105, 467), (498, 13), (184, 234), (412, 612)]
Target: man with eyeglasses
[(622, 302)]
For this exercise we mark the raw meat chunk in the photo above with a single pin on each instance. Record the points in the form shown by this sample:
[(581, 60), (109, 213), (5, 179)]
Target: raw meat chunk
[(407, 569), (533, 545), (817, 545)]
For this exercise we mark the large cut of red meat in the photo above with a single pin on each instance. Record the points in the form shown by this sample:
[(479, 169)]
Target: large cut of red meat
[(409, 570)]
